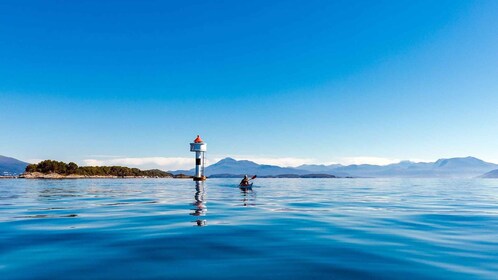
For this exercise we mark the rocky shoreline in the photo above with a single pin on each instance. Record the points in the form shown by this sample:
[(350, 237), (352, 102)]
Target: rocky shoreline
[(39, 175)]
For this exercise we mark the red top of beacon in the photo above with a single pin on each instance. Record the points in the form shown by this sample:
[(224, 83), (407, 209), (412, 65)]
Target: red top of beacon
[(198, 139)]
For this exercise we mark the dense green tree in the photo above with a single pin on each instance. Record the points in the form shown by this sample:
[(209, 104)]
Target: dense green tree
[(59, 167), (31, 168), (72, 168)]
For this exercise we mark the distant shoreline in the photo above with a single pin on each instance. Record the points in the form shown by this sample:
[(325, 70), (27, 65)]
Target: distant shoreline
[(56, 176), (39, 175)]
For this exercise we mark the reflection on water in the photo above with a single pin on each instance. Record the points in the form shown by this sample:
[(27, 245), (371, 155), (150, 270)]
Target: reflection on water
[(199, 203), (284, 229), (248, 197)]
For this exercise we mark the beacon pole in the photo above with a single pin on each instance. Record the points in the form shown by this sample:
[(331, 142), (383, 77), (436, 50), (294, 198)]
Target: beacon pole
[(199, 147)]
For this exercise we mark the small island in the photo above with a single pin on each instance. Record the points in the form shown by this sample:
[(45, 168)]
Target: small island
[(51, 169)]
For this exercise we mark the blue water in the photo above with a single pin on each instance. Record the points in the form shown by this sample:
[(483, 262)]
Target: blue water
[(283, 229)]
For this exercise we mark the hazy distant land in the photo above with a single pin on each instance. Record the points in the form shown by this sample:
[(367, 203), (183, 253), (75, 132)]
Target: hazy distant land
[(464, 167), (491, 174), (461, 167)]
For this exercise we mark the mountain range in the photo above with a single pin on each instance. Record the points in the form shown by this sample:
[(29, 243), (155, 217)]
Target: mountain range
[(464, 167), (11, 166)]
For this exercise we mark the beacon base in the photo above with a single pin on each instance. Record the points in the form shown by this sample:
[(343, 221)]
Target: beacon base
[(202, 178)]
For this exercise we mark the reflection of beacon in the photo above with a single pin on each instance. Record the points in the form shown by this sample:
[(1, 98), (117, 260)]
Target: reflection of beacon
[(199, 147)]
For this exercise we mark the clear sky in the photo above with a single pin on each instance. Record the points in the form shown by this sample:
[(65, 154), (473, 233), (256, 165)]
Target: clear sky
[(286, 82)]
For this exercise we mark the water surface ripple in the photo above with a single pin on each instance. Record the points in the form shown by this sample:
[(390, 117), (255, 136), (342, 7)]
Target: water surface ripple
[(284, 228)]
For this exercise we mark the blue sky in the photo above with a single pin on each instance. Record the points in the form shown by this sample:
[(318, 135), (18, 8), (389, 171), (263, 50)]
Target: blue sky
[(284, 82)]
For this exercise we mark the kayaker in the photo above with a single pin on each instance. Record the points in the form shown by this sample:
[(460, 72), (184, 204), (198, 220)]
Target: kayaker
[(245, 181)]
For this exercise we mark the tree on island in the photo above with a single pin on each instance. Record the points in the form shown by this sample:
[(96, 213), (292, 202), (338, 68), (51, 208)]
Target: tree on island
[(59, 167)]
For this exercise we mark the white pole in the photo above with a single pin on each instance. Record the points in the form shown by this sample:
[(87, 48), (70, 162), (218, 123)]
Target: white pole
[(198, 162), (202, 171)]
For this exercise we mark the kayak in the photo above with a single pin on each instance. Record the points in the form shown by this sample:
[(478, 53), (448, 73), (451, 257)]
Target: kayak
[(248, 187)]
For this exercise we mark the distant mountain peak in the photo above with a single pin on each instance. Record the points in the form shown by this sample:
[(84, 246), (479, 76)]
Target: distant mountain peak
[(227, 159), (11, 166), (468, 158), (460, 161)]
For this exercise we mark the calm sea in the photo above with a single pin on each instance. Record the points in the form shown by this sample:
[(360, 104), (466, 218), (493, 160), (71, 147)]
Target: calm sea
[(283, 229)]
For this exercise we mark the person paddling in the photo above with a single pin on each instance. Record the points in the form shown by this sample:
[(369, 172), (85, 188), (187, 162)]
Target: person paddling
[(245, 181)]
